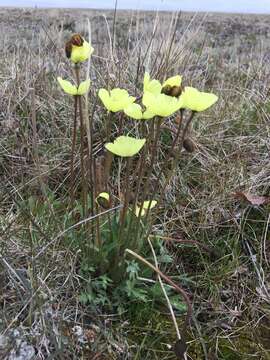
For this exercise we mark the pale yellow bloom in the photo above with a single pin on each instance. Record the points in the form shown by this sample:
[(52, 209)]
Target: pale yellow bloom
[(196, 100), (125, 146), (116, 99), (173, 81), (71, 89), (81, 53), (161, 104), (152, 86), (145, 206), (135, 112)]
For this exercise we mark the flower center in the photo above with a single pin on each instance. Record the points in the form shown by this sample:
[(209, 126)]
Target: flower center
[(174, 91)]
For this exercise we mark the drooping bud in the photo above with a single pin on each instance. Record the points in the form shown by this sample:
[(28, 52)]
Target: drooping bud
[(103, 200), (189, 145)]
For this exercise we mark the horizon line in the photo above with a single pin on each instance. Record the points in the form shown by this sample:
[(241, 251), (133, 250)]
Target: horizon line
[(36, 7)]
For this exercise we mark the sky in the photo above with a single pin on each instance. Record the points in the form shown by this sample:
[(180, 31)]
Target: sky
[(242, 6)]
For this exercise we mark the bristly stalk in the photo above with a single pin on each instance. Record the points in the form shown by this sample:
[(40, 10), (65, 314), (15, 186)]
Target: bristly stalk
[(126, 198), (170, 172), (74, 135), (165, 162), (153, 151), (84, 184)]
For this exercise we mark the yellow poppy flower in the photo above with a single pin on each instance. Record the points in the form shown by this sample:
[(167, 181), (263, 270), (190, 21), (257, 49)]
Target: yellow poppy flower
[(78, 49), (161, 104), (125, 146), (70, 89), (152, 86), (196, 100), (135, 112), (146, 205), (116, 99), (103, 199)]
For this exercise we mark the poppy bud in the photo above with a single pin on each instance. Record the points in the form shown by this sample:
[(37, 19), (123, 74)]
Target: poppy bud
[(103, 200), (189, 145)]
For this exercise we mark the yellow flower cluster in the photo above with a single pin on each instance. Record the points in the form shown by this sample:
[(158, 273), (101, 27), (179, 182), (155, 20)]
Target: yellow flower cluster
[(159, 99)]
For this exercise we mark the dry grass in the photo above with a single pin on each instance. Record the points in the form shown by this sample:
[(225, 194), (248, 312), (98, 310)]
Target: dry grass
[(228, 54)]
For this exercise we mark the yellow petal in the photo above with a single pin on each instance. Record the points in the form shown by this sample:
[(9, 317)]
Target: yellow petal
[(104, 97), (148, 114), (137, 211), (152, 86), (84, 87), (67, 86), (116, 99), (196, 100), (134, 111), (149, 204), (125, 146), (121, 99), (161, 104), (146, 205), (173, 81), (81, 53)]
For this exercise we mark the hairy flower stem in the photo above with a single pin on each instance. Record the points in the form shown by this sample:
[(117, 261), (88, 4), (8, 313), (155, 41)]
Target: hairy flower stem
[(153, 193), (171, 171), (126, 198), (151, 167), (72, 181), (153, 152), (109, 125), (83, 182), (138, 179), (94, 194)]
